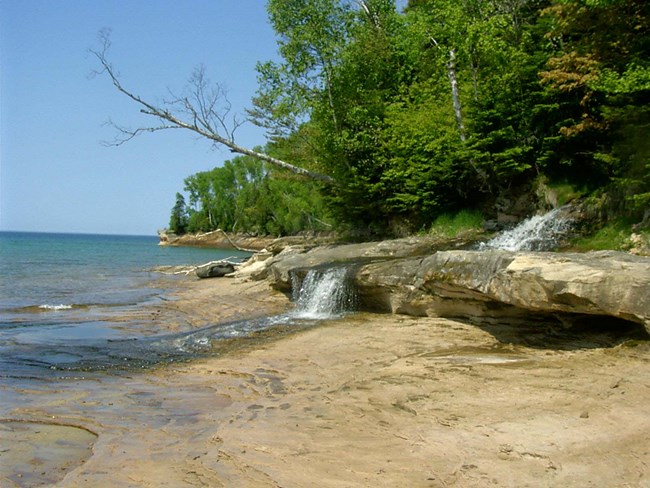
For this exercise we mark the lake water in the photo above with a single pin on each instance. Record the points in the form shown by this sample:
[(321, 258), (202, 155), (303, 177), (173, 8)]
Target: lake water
[(57, 290)]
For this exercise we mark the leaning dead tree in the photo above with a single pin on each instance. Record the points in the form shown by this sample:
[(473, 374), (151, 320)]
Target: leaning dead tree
[(204, 111)]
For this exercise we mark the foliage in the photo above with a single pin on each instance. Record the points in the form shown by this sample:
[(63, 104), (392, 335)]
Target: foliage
[(311, 35), (459, 224), (614, 235), (446, 105), (600, 74), (565, 191), (179, 219), (246, 196)]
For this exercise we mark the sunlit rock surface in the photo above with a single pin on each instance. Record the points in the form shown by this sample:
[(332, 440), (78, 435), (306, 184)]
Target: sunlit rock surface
[(411, 277), (494, 284)]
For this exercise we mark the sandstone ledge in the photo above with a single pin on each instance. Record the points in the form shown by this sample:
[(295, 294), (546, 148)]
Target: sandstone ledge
[(500, 285), (409, 276), (216, 239)]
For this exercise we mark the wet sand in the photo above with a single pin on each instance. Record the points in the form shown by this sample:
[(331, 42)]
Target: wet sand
[(365, 401)]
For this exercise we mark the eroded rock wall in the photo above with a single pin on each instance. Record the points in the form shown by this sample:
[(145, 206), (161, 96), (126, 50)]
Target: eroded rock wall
[(413, 278)]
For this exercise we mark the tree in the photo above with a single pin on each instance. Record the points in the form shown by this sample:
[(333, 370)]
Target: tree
[(600, 75), (244, 195), (179, 219), (408, 115), (312, 34), (203, 111)]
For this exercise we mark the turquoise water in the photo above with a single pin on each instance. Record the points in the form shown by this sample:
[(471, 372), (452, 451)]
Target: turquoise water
[(62, 290), (55, 271), (69, 306)]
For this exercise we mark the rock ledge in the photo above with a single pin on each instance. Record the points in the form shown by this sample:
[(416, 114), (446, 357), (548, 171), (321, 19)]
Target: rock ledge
[(409, 276)]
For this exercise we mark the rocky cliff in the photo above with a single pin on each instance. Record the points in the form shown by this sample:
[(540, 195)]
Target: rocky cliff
[(411, 276), (216, 239)]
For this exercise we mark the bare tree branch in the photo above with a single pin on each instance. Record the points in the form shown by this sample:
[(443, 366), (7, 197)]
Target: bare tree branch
[(204, 112)]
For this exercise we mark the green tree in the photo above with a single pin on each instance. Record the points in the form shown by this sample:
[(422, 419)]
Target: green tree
[(244, 195), (178, 220), (365, 81), (311, 35), (200, 212), (600, 73)]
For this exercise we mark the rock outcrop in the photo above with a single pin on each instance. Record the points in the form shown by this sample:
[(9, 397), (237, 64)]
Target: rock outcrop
[(227, 240), (410, 276), (216, 239), (214, 270), (299, 259), (501, 285)]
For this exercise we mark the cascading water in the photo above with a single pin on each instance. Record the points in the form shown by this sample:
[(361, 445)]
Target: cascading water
[(537, 233), (323, 294)]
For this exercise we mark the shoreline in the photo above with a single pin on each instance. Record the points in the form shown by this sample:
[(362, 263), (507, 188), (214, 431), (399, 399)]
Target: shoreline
[(366, 400), (216, 239)]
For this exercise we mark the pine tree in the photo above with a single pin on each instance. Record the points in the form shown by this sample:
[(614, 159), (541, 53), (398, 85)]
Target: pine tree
[(179, 218)]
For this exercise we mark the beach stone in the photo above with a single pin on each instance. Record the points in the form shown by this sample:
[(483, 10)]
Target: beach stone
[(214, 270)]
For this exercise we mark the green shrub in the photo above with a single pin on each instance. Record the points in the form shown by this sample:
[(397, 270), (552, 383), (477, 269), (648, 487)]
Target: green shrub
[(566, 192), (613, 235), (459, 224)]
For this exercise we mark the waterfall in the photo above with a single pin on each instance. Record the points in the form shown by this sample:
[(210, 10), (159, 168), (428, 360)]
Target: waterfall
[(323, 293), (537, 233)]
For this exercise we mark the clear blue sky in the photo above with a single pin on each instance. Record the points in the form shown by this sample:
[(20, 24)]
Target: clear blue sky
[(55, 175)]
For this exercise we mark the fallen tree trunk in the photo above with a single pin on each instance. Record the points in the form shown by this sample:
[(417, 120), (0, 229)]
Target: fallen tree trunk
[(199, 113)]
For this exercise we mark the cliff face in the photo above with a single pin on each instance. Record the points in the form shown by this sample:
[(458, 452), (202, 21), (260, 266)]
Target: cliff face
[(409, 276), (216, 239)]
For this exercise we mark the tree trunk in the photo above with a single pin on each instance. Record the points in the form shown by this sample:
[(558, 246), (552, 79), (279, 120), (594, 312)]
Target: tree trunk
[(451, 73), (197, 122)]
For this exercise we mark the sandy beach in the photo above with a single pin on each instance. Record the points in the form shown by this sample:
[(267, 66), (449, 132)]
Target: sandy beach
[(364, 401)]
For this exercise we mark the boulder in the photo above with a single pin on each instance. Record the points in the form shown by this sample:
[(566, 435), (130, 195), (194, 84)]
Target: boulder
[(214, 270)]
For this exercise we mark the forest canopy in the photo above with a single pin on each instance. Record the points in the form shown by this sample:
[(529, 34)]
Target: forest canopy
[(443, 106)]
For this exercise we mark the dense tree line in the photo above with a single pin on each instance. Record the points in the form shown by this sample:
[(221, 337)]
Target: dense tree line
[(245, 196), (443, 106)]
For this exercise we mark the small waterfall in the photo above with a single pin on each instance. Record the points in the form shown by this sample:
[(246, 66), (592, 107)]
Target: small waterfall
[(323, 293), (537, 233)]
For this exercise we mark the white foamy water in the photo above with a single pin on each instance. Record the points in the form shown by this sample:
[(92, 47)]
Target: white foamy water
[(537, 233), (54, 348), (55, 307), (323, 294)]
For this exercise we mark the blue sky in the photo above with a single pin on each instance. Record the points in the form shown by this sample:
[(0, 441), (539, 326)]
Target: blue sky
[(55, 174)]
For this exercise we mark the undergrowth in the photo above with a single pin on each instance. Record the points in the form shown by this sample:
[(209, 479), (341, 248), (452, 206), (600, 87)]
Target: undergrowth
[(463, 223), (613, 235)]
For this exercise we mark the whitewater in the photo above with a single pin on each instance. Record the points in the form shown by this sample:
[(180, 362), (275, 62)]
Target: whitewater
[(537, 233)]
